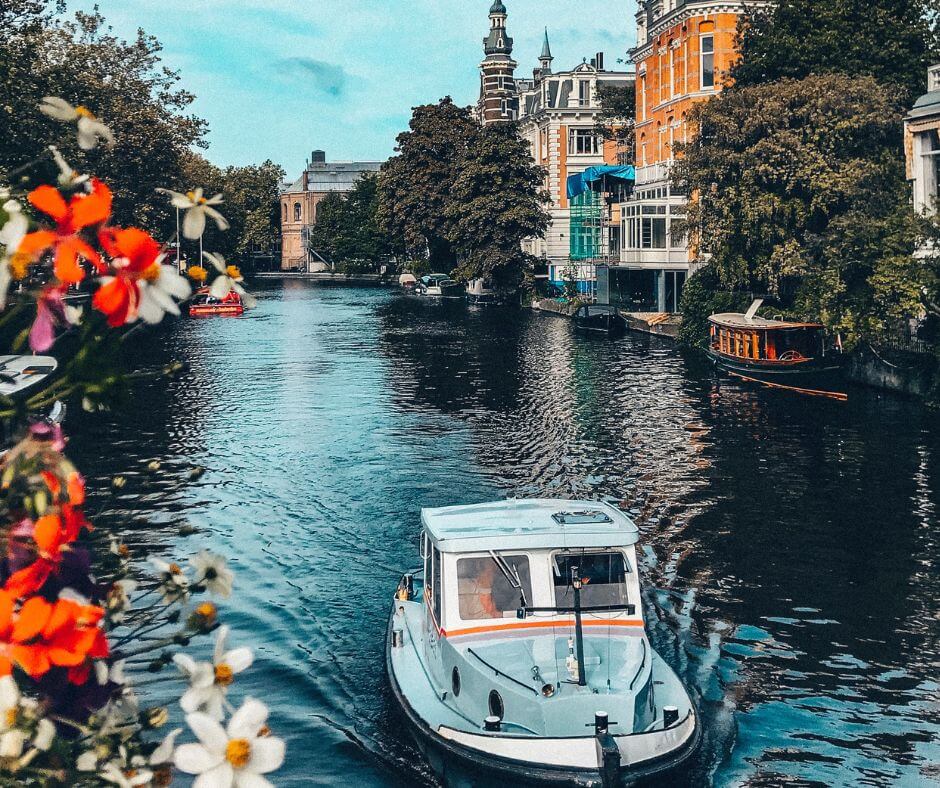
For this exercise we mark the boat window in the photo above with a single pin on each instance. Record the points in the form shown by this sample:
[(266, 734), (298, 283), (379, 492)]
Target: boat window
[(587, 517), (485, 591), (603, 577)]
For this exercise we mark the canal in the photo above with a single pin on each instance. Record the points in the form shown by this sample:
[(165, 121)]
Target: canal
[(789, 545)]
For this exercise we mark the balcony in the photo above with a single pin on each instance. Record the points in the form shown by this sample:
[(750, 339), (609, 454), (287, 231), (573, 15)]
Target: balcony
[(650, 173)]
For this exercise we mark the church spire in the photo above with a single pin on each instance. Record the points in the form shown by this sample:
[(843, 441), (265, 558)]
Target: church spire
[(545, 59)]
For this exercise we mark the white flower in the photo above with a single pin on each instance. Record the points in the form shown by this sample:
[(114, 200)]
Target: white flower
[(11, 235), (118, 600), (87, 761), (234, 756), (173, 583), (157, 294), (45, 735), (67, 176), (126, 773), (229, 279), (212, 570), (90, 129), (209, 682), (197, 208), (164, 752), (12, 739)]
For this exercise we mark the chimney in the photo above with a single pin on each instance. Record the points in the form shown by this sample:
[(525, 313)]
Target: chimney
[(599, 60), (318, 157), (594, 62)]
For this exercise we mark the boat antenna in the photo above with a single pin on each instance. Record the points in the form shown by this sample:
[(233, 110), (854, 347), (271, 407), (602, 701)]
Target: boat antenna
[(578, 632)]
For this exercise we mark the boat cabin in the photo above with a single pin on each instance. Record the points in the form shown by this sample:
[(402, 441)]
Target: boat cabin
[(737, 336)]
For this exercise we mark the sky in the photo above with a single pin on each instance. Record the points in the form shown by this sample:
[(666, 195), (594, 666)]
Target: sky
[(277, 79)]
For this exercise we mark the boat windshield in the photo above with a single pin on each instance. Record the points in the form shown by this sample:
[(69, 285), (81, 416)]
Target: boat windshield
[(603, 577), (485, 591)]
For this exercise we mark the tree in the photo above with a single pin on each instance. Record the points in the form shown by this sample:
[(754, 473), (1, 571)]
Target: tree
[(893, 41), (617, 119), (496, 202), (800, 192), (415, 185), (122, 82)]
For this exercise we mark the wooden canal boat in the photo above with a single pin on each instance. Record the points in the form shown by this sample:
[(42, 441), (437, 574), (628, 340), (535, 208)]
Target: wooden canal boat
[(778, 353), (600, 318), (206, 305)]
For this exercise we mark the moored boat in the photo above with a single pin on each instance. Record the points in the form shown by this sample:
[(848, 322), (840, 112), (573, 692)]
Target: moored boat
[(438, 286), (206, 305), (600, 318), (480, 292), (778, 353), (519, 650), (19, 374)]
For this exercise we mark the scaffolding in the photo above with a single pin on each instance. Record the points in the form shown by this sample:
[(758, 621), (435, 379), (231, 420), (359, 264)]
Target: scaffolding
[(586, 225)]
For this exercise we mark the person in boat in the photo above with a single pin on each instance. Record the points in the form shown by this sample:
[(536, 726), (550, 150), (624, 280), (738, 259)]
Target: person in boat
[(476, 596)]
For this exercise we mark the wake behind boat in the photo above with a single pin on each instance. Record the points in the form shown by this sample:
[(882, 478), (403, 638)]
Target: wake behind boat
[(519, 649)]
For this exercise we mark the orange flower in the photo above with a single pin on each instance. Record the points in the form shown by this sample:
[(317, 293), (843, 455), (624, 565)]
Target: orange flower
[(136, 256), (42, 635), (52, 534), (83, 210)]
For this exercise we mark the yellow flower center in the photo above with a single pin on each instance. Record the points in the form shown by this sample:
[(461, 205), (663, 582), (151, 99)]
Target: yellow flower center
[(223, 675), (19, 265), (233, 272), (10, 716), (206, 611), (191, 196), (238, 753), (83, 112), (175, 569), (198, 273), (151, 273)]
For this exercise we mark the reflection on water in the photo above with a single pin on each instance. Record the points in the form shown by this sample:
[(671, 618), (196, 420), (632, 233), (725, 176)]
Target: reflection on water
[(789, 545)]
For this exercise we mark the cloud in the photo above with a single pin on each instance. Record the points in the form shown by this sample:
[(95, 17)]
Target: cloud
[(326, 77)]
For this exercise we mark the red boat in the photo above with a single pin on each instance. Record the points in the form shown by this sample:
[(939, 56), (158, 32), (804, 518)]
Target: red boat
[(205, 305)]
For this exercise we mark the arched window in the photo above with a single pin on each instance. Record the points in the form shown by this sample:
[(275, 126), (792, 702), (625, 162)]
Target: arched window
[(284, 213), (296, 211)]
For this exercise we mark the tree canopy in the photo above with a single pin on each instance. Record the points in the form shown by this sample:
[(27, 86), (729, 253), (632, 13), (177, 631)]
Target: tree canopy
[(893, 41), (617, 118), (496, 202), (801, 194)]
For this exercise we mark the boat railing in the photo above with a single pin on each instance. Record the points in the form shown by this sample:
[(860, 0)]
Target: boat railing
[(498, 672), (639, 670), (630, 610)]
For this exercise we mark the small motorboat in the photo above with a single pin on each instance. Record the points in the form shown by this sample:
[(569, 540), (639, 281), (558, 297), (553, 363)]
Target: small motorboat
[(438, 286), (518, 651), (480, 292), (407, 282), (206, 305), (601, 318), (778, 353), (19, 374)]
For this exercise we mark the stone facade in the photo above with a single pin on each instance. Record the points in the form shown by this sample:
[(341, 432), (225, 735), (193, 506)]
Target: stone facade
[(299, 201)]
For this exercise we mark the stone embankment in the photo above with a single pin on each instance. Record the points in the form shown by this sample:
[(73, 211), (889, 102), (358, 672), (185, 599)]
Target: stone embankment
[(658, 323)]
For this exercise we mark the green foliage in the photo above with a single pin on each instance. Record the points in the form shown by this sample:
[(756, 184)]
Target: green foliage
[(496, 202), (617, 118), (122, 82), (415, 185), (702, 296), (347, 230), (893, 41), (801, 194)]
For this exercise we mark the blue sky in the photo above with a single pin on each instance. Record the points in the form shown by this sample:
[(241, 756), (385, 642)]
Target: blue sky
[(278, 78)]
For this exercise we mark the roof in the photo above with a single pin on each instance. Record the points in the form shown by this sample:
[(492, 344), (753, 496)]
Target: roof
[(526, 524), (739, 320), (336, 176), (928, 104)]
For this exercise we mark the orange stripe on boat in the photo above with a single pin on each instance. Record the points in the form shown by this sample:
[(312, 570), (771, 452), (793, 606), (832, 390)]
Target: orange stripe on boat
[(632, 622)]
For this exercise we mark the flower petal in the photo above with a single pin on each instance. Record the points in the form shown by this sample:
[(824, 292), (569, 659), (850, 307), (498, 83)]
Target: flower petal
[(50, 201), (220, 221), (222, 776), (221, 286), (194, 223), (57, 108), (239, 659), (267, 755), (209, 732), (251, 780), (247, 721), (196, 759)]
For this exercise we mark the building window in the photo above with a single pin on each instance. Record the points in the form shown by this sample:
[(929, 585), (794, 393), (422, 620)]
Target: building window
[(642, 101), (584, 93), (675, 283), (582, 142), (296, 211), (284, 213), (707, 55), (672, 70)]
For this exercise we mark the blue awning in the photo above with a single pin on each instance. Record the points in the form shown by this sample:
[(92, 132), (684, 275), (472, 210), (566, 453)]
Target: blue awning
[(597, 177)]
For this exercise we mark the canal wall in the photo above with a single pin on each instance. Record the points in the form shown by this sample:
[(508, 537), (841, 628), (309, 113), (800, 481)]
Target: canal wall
[(901, 371), (330, 278)]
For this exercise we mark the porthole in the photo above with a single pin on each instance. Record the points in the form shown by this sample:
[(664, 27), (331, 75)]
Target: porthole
[(455, 681), (496, 704)]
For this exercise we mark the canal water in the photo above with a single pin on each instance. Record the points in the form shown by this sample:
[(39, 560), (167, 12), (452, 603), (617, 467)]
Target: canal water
[(789, 545)]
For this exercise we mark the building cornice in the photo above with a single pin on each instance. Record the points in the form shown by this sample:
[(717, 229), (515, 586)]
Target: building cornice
[(683, 14)]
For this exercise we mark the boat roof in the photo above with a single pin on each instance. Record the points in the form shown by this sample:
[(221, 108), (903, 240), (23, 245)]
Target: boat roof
[(528, 524), (740, 320)]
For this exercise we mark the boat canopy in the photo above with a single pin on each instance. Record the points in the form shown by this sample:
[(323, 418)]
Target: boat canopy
[(528, 524), (740, 320), (595, 178)]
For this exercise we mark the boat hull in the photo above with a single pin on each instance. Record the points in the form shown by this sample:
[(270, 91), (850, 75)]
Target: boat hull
[(231, 310), (823, 379), (450, 757)]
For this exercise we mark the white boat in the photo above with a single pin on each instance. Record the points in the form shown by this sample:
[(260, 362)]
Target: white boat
[(18, 374), (518, 651), (438, 286), (480, 292)]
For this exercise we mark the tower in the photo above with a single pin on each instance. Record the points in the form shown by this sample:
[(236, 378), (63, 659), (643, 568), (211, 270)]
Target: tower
[(499, 101), (545, 59)]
